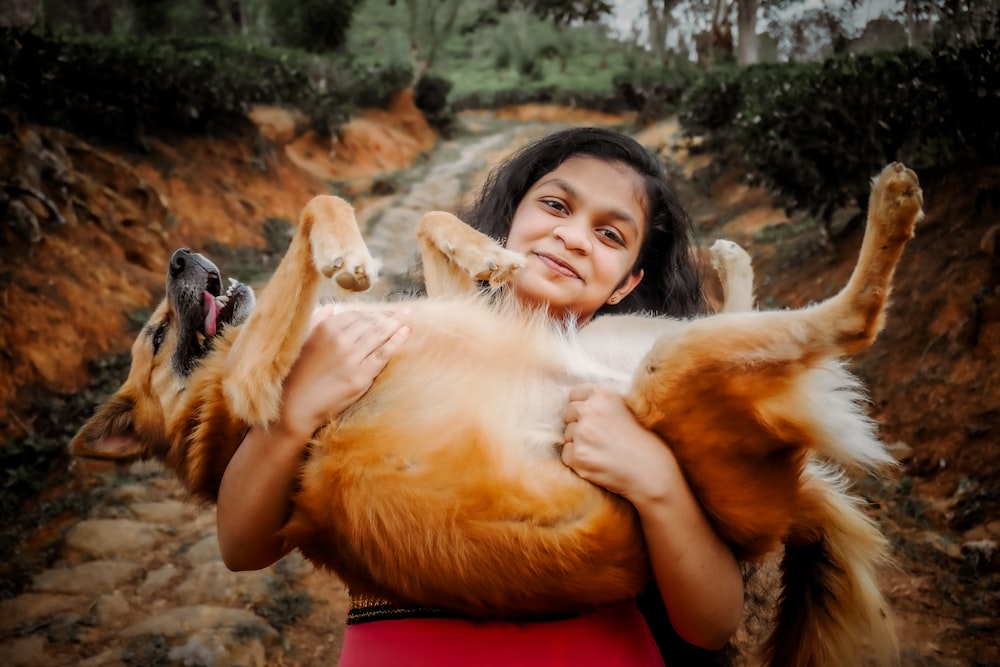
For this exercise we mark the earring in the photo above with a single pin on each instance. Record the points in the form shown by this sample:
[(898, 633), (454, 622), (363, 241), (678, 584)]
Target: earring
[(503, 242), (614, 299)]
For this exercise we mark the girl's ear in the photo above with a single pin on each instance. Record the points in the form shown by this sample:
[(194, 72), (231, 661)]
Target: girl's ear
[(630, 283)]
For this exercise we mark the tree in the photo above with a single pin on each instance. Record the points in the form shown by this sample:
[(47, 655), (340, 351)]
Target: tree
[(659, 14), (560, 11), (746, 25), (431, 22)]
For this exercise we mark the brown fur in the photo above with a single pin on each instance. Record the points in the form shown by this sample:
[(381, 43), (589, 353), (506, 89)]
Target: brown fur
[(443, 485)]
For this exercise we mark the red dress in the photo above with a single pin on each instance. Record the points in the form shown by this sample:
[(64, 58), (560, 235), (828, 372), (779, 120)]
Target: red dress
[(613, 637)]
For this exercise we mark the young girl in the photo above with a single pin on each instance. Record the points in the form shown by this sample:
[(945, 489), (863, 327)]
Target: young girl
[(602, 231)]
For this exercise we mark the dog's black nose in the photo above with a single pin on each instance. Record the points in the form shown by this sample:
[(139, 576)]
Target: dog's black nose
[(179, 260)]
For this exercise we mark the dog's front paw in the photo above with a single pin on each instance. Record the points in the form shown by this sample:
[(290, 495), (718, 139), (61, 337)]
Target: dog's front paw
[(497, 265), (352, 271), (896, 201), (338, 251), (475, 254)]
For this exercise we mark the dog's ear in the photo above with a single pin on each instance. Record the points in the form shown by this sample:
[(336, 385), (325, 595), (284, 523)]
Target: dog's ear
[(110, 433)]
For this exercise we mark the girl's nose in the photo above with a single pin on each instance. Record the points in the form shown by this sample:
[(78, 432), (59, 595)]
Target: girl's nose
[(573, 236)]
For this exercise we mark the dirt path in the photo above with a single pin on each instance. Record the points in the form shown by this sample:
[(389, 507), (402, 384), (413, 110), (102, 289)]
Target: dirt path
[(136, 578)]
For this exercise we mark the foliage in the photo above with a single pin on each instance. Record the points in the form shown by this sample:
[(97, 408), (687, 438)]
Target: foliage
[(807, 131), (315, 26), (122, 89), (561, 11), (431, 97), (656, 91)]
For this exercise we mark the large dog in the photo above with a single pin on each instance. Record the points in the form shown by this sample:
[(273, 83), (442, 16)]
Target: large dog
[(443, 486)]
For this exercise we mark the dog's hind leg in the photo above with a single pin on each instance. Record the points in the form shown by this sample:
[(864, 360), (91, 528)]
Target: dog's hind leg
[(456, 257), (735, 270), (326, 245), (850, 321)]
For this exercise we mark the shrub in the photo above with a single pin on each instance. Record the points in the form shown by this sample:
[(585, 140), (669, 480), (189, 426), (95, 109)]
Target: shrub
[(814, 132), (121, 89)]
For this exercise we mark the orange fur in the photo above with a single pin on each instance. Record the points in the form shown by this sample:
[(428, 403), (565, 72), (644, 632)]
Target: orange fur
[(443, 485)]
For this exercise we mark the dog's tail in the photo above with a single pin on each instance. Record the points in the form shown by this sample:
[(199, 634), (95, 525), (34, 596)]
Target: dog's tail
[(831, 612)]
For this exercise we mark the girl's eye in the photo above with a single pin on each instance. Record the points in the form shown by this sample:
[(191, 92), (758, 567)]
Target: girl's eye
[(554, 204), (613, 236)]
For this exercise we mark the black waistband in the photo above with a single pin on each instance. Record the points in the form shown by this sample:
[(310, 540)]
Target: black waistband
[(388, 611)]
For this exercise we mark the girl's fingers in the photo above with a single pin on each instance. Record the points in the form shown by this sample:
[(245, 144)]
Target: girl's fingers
[(380, 356)]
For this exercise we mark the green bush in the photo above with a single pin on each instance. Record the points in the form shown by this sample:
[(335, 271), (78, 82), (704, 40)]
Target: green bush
[(123, 89), (815, 132), (316, 26), (655, 91)]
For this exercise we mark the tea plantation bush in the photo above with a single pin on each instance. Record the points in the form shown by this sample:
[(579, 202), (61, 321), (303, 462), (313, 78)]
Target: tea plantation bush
[(125, 88), (815, 132)]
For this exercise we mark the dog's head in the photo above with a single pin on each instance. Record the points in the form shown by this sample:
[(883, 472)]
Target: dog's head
[(133, 423)]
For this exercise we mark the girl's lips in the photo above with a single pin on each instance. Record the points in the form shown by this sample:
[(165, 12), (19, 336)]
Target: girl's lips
[(558, 265)]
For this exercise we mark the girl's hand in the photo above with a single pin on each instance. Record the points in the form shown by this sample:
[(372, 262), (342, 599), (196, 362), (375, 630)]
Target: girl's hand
[(696, 572), (341, 357), (604, 444)]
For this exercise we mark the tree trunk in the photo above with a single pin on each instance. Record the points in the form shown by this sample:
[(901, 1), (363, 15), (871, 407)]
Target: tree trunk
[(427, 32), (658, 15), (746, 22)]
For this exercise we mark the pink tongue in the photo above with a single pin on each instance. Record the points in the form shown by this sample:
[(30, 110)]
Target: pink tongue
[(211, 311)]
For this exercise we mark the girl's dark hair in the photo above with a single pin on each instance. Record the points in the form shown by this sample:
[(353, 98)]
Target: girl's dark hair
[(671, 284)]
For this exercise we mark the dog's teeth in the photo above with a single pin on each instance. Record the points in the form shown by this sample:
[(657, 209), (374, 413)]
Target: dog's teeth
[(223, 300)]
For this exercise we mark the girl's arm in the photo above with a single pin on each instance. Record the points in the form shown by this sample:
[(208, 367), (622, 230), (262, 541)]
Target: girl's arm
[(338, 363), (695, 571)]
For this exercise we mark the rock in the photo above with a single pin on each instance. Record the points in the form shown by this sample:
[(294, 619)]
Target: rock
[(203, 551), (214, 648), (24, 652), (110, 657), (182, 621), (35, 606), (157, 579), (900, 451), (92, 578), (111, 609), (164, 511), (106, 538), (214, 583)]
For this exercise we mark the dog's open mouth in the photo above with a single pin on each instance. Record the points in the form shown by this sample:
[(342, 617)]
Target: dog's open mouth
[(219, 309), (203, 310)]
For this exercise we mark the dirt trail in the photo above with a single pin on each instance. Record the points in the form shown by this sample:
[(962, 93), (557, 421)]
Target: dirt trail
[(132, 575)]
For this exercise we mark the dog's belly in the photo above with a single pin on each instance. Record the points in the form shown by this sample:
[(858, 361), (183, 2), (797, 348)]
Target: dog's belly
[(460, 471), (428, 412)]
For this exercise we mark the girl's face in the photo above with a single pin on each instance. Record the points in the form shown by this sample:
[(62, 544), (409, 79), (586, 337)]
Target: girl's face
[(581, 227)]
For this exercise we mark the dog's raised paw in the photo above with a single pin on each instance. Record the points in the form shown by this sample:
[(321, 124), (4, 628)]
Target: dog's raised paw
[(728, 256), (897, 199), (354, 271), (498, 265), (355, 281), (735, 269)]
